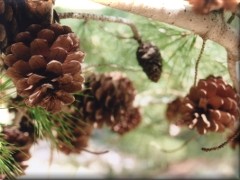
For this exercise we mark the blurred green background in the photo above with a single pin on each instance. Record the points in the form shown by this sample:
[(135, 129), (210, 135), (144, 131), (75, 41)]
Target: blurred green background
[(155, 149)]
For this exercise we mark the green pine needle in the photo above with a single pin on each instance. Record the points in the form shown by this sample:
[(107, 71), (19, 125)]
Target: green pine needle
[(43, 128), (47, 124), (8, 166)]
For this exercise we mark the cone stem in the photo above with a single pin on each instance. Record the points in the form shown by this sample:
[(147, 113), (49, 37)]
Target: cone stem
[(231, 138), (198, 60), (179, 13), (96, 153), (87, 16)]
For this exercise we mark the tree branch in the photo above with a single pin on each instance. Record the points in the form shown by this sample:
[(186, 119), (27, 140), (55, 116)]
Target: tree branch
[(87, 16), (179, 13)]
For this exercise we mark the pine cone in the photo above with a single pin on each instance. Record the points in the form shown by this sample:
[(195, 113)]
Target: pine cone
[(210, 106), (206, 6), (173, 110), (45, 66), (17, 15), (149, 58), (131, 120), (78, 138), (22, 140), (107, 99)]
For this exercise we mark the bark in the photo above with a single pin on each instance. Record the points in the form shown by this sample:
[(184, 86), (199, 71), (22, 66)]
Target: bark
[(179, 13)]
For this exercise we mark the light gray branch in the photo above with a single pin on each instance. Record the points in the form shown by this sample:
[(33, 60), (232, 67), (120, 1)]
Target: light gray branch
[(179, 13)]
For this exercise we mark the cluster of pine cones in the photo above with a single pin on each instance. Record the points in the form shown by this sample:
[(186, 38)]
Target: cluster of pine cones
[(19, 43), (44, 61), (109, 96), (207, 6), (106, 99)]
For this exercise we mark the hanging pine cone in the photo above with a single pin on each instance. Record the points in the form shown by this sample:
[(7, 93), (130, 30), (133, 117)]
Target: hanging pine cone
[(107, 99), (149, 58), (17, 15), (173, 110), (206, 6), (21, 140), (78, 137), (45, 65), (210, 106), (131, 120)]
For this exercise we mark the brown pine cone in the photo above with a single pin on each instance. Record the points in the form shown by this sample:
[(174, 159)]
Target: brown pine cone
[(206, 6), (106, 99), (149, 58), (17, 15), (22, 141), (45, 65), (173, 110), (131, 120), (210, 106), (78, 137)]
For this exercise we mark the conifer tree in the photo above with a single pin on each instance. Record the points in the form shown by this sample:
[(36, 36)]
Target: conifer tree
[(146, 66)]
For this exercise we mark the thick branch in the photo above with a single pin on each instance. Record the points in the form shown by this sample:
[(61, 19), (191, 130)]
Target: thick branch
[(179, 13)]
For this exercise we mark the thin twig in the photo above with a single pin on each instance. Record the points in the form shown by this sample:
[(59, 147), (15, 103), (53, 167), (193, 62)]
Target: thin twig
[(96, 153), (231, 138), (115, 35), (115, 66), (198, 60), (178, 148), (87, 16)]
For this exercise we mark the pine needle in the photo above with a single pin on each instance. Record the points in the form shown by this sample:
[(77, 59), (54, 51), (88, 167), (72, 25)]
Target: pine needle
[(43, 123), (8, 166)]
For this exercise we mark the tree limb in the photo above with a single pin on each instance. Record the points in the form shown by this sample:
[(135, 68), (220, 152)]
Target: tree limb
[(179, 13), (87, 16)]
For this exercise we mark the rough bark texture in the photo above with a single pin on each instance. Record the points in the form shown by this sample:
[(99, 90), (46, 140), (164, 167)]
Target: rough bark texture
[(179, 13)]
